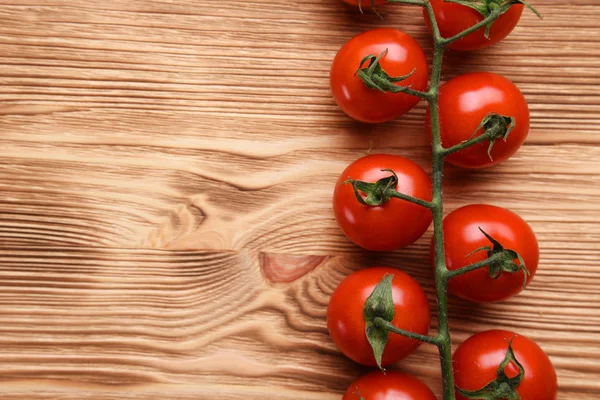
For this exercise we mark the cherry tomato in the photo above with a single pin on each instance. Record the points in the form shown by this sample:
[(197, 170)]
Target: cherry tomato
[(476, 362), (394, 224), (454, 18), (465, 101), (345, 319), (462, 236), (403, 57), (391, 385)]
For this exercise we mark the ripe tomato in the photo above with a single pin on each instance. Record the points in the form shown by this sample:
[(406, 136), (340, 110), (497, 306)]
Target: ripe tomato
[(462, 236), (454, 18), (476, 362), (346, 323), (391, 385), (394, 224), (403, 57), (465, 101)]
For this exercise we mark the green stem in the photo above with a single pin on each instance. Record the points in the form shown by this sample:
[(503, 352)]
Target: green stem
[(494, 15), (411, 199), (478, 265), (416, 93), (441, 271), (469, 143), (382, 323), (435, 30)]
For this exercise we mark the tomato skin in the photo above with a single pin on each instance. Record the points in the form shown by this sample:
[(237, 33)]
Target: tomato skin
[(454, 18), (476, 362), (462, 236), (346, 323), (393, 225), (371, 105), (465, 101), (392, 385)]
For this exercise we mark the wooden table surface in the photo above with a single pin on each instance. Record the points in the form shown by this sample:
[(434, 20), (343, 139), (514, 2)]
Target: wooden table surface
[(165, 196)]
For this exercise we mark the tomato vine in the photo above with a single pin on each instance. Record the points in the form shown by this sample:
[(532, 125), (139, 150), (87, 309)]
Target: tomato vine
[(379, 307), (442, 275)]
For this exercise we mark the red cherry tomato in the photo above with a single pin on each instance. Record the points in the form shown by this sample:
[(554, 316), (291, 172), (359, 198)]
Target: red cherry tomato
[(345, 319), (465, 101), (403, 57), (454, 18), (394, 224), (462, 236), (476, 362), (391, 385)]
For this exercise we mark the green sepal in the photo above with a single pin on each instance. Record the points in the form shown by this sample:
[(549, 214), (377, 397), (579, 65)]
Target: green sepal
[(495, 127), (484, 248), (375, 77), (372, 7), (487, 7), (495, 270), (503, 387), (379, 304), (506, 263), (526, 4), (478, 6), (377, 193)]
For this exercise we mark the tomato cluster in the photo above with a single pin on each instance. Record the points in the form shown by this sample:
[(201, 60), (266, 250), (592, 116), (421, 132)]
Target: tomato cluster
[(383, 202)]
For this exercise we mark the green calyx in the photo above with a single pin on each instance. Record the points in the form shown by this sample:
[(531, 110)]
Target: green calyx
[(372, 2), (489, 7), (377, 193), (380, 304), (495, 126), (505, 262), (380, 192), (503, 387), (376, 78)]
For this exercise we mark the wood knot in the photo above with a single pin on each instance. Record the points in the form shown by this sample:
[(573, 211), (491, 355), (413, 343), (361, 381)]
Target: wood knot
[(286, 268)]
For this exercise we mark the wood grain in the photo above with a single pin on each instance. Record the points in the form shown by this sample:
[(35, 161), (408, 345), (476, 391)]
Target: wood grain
[(165, 181)]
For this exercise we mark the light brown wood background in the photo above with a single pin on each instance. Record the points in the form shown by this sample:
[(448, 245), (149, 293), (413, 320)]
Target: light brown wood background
[(165, 184)]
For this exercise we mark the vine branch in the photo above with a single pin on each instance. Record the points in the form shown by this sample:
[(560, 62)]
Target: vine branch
[(494, 15), (466, 144), (411, 199), (475, 266), (496, 126), (382, 323), (380, 192)]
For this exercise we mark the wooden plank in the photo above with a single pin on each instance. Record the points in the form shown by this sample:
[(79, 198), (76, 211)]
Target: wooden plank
[(130, 196), (110, 322), (165, 184)]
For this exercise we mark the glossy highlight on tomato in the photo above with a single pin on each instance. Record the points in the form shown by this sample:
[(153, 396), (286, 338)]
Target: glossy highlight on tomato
[(403, 57), (465, 101), (346, 323), (462, 236), (393, 225), (391, 385), (477, 359), (454, 18)]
